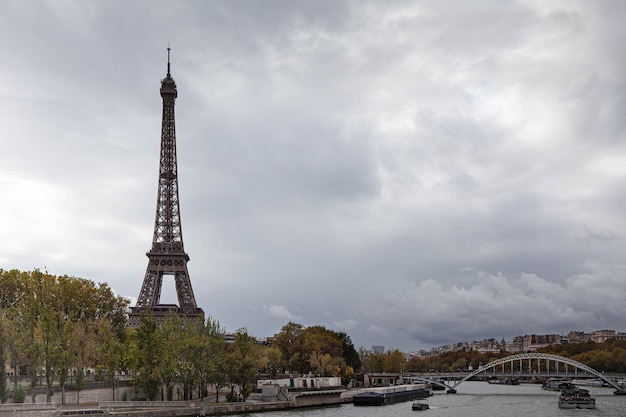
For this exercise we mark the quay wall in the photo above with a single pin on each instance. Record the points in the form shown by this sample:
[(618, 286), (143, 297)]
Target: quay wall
[(298, 400), (210, 410), (88, 396), (221, 409), (318, 400)]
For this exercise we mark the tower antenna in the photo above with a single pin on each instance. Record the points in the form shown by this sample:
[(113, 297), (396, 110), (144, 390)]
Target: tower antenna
[(168, 59)]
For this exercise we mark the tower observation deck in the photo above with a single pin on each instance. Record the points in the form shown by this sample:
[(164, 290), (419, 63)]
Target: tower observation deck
[(167, 257)]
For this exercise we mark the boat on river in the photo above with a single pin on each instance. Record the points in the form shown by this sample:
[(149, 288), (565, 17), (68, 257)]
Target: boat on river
[(558, 385), (576, 398), (597, 382), (505, 381), (420, 405), (391, 395)]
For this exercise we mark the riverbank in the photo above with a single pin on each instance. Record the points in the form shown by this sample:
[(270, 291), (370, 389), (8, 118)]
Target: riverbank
[(255, 404)]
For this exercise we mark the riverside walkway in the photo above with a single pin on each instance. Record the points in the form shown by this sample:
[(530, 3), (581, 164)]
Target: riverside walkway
[(254, 404), (525, 365)]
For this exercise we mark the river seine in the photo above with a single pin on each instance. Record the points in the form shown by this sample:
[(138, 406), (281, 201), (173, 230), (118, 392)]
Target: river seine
[(477, 399)]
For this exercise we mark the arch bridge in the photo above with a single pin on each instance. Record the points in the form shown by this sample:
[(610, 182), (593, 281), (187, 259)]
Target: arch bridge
[(525, 365)]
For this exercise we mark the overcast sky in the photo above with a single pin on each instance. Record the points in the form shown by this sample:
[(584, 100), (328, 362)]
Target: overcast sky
[(412, 173)]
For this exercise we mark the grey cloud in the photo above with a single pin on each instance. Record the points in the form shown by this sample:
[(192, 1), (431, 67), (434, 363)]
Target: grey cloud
[(412, 173)]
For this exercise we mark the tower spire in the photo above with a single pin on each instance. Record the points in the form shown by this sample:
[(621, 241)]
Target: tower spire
[(168, 59)]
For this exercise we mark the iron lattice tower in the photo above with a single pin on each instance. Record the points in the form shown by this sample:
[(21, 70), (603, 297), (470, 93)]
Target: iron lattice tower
[(167, 256)]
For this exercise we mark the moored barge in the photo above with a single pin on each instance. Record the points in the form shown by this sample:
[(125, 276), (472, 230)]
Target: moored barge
[(391, 395)]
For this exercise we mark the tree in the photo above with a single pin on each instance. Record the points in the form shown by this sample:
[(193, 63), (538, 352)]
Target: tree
[(243, 358), (30, 319), (43, 313), (12, 295), (18, 394), (172, 334), (270, 360), (458, 364), (347, 374), (371, 361), (394, 362), (290, 341), (320, 339), (14, 334), (185, 352), (4, 394), (350, 355), (147, 356), (319, 362), (107, 348), (213, 359), (316, 349)]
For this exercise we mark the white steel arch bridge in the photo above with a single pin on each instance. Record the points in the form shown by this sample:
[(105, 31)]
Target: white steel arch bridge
[(526, 365)]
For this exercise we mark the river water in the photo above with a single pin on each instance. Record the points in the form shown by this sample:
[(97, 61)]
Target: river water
[(477, 399)]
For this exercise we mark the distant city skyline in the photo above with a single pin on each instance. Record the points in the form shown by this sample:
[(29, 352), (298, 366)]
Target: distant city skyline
[(527, 342)]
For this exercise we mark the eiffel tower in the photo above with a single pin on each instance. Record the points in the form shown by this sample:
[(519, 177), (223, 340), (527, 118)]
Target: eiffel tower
[(167, 256)]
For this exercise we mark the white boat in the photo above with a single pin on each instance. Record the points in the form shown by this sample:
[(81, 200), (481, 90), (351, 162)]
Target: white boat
[(589, 382), (576, 398)]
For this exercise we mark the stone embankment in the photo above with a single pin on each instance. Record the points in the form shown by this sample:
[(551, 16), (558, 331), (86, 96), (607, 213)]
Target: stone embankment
[(187, 409), (254, 405)]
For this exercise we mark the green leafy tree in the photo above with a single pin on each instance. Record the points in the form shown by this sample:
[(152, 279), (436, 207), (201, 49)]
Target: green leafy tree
[(291, 342), (12, 295), (187, 350), (29, 320), (458, 364), (198, 358), (394, 361), (43, 312), (14, 334), (4, 394), (18, 394), (206, 348), (350, 355), (270, 359), (346, 373), (315, 349), (213, 360), (173, 339), (147, 357), (244, 360), (320, 339), (107, 348), (322, 364), (372, 361)]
